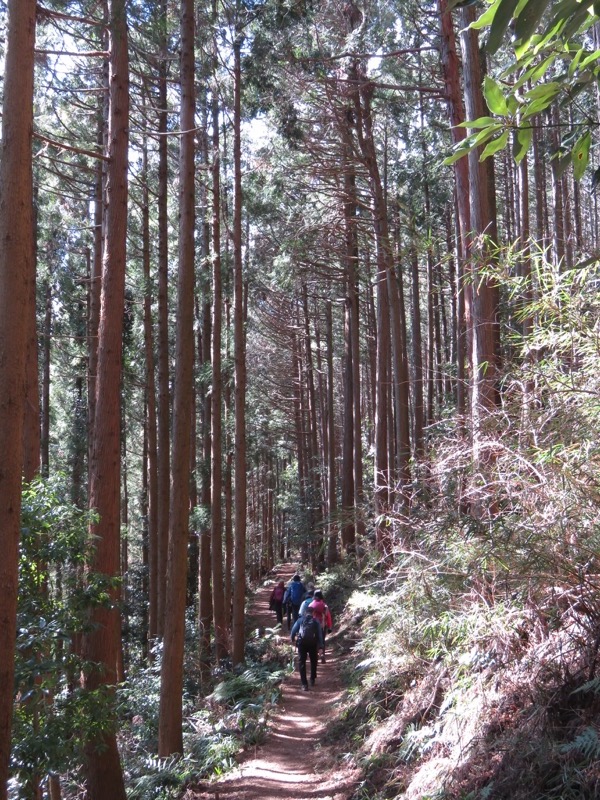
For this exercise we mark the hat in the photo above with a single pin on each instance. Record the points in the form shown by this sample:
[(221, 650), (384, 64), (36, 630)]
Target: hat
[(296, 577)]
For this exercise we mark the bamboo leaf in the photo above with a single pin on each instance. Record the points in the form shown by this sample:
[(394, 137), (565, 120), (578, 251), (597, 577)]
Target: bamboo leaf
[(580, 155), (563, 163), (487, 17), (545, 90), (485, 134), (495, 97), (481, 122), (501, 21), (588, 59), (521, 143), (527, 21), (575, 62), (494, 146), (463, 150)]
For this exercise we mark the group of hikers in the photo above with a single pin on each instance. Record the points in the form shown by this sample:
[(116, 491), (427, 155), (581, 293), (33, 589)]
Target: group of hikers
[(308, 620)]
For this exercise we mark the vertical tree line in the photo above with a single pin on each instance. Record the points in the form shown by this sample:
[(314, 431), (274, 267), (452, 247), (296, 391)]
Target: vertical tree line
[(253, 276)]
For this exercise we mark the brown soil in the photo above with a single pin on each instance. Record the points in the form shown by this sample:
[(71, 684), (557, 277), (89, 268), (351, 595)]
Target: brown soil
[(295, 762)]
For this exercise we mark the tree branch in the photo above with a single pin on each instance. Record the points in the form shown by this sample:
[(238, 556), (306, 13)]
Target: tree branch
[(61, 146)]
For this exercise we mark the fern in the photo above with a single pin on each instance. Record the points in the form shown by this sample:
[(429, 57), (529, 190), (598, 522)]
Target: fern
[(586, 743), (589, 686)]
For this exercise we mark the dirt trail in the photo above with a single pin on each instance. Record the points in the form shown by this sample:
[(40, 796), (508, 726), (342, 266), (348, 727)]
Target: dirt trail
[(293, 763)]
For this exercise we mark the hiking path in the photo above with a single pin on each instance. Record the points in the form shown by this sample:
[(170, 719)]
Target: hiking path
[(295, 762)]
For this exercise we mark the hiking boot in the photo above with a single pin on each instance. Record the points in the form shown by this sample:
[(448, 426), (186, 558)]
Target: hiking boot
[(323, 658), (305, 687), (312, 681)]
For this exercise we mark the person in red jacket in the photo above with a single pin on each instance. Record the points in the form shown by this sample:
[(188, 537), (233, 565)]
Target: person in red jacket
[(276, 601), (322, 614)]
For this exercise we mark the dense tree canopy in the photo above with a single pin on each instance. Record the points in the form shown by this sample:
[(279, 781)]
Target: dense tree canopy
[(279, 280)]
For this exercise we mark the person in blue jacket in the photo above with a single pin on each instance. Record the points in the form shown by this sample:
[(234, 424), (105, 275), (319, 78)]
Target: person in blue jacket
[(308, 636), (292, 598)]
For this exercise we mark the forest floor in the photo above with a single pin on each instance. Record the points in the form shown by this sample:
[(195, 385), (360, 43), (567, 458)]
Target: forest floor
[(296, 762)]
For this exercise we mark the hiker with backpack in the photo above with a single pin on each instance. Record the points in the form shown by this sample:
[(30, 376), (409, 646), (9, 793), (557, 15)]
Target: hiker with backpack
[(308, 598), (307, 634), (276, 601), (322, 614), (292, 598)]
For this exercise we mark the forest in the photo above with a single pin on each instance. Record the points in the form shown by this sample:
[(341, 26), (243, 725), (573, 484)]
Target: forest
[(313, 283)]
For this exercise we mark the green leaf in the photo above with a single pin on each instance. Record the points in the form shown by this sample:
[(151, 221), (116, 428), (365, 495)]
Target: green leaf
[(465, 147), (575, 62), (494, 97), (543, 91), (512, 103), (521, 143), (578, 22), (562, 164), (481, 122), (529, 18), (487, 17), (494, 146), (534, 108), (580, 155), (501, 21), (588, 59), (485, 134)]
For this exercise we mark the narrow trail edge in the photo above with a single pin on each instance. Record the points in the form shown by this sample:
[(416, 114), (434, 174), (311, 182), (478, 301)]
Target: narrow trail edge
[(293, 763)]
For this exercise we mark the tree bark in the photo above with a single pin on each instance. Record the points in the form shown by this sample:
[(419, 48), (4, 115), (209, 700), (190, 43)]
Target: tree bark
[(152, 450), (220, 623), (170, 731), (163, 419), (239, 355), (484, 354), (16, 275), (102, 642)]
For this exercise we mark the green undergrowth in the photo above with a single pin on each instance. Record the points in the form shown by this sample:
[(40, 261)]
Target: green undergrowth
[(469, 675), (235, 715)]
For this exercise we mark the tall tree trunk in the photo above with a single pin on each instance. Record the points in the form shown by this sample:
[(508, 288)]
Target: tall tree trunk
[(239, 356), (152, 449), (16, 274), (450, 65), (170, 730), (102, 642), (45, 411), (204, 347), (163, 418), (95, 285), (220, 622), (332, 547), (314, 482), (351, 385), (417, 350), (388, 314), (31, 419), (484, 357)]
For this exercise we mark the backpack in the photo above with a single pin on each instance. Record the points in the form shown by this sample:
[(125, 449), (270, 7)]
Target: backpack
[(319, 607), (295, 592), (278, 593), (309, 632)]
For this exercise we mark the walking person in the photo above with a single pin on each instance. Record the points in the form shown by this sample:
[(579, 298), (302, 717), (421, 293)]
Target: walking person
[(293, 598), (322, 614), (308, 598), (276, 601), (309, 635)]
